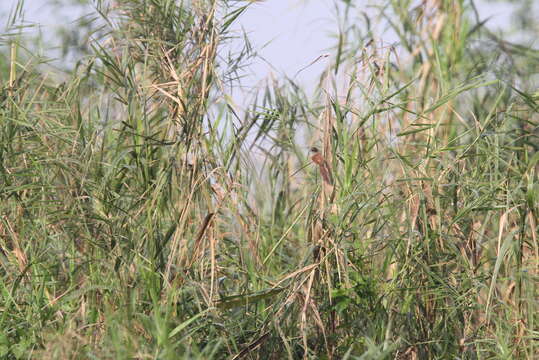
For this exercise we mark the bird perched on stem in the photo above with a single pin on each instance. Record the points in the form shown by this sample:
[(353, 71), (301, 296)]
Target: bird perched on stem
[(323, 165)]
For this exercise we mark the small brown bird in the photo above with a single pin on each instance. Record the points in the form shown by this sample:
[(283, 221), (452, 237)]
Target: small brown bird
[(319, 160)]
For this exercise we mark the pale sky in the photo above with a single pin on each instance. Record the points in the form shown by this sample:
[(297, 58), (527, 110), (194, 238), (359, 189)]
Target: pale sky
[(289, 34)]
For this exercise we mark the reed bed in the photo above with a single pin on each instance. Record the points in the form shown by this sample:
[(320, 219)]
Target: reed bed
[(143, 215)]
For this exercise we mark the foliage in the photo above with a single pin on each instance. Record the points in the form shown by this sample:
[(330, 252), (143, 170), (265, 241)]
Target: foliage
[(142, 215)]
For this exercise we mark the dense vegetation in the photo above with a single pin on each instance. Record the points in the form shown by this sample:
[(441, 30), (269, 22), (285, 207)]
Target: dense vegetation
[(144, 215)]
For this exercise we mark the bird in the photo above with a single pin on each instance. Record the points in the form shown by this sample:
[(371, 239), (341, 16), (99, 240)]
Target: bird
[(323, 165)]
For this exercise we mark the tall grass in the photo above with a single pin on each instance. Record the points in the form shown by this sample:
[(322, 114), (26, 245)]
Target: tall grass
[(144, 216)]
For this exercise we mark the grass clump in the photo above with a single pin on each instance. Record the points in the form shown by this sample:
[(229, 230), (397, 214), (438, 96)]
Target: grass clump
[(144, 216)]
